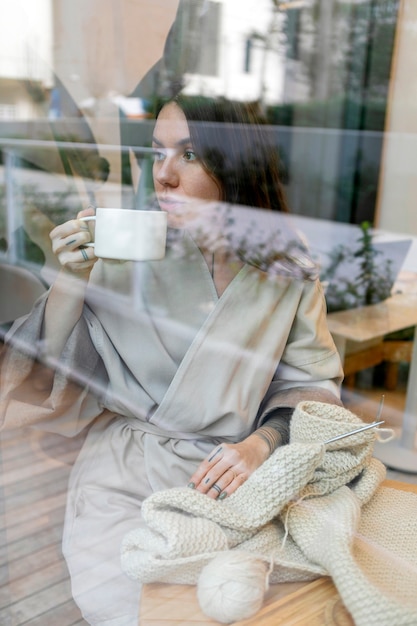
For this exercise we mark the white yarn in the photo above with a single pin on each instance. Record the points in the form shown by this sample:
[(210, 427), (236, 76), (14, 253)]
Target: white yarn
[(232, 586), (383, 435)]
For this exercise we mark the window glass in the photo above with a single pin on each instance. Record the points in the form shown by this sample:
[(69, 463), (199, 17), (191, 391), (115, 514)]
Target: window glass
[(207, 219)]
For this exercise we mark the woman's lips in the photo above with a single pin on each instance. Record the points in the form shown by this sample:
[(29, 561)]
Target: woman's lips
[(170, 204)]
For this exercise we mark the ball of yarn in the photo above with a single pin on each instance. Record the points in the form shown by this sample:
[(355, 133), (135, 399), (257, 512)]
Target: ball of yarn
[(232, 586)]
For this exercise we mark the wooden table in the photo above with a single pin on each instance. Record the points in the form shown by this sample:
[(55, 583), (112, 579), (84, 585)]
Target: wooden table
[(289, 604), (362, 327)]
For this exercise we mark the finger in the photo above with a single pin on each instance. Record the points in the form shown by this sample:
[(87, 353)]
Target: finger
[(220, 479), (229, 482), (90, 210), (85, 253), (79, 259), (205, 466), (66, 229), (71, 242), (69, 228), (215, 465), (237, 480), (86, 225), (206, 484), (226, 485), (218, 488), (214, 474), (215, 491)]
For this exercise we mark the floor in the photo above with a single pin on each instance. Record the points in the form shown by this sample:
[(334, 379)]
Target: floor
[(34, 583)]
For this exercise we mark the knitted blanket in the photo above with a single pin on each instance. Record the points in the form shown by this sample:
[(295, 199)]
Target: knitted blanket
[(311, 509)]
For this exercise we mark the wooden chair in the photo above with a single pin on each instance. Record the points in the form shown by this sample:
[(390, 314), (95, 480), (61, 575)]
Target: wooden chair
[(388, 352), (19, 290)]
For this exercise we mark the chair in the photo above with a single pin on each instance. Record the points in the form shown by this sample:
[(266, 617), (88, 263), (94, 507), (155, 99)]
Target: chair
[(19, 290)]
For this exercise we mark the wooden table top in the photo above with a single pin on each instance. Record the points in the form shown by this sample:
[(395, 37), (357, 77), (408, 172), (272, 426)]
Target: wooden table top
[(376, 320), (290, 604)]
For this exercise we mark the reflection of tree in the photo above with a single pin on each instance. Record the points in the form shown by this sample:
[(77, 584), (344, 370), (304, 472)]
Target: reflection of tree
[(368, 58), (370, 285), (344, 48), (369, 62), (338, 77), (216, 227), (40, 211)]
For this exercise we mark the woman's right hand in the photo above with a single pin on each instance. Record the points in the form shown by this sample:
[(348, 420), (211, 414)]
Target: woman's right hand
[(68, 240)]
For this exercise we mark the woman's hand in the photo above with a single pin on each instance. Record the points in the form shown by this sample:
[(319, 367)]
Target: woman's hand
[(229, 465), (68, 240)]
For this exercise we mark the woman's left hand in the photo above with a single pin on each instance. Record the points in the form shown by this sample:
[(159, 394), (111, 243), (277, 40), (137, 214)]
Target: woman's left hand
[(228, 466)]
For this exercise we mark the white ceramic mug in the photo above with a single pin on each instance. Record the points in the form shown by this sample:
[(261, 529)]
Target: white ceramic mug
[(129, 235)]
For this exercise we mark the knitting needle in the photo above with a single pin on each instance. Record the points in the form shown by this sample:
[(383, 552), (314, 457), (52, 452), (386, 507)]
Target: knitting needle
[(381, 404), (359, 430), (353, 432)]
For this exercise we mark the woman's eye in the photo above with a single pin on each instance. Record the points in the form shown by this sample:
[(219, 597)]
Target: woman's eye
[(190, 155)]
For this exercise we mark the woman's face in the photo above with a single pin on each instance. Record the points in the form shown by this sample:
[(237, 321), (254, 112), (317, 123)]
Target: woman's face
[(181, 182)]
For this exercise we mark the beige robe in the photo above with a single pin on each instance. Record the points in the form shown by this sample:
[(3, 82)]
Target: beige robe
[(163, 369)]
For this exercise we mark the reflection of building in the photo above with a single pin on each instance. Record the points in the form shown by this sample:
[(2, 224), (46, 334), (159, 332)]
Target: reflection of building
[(103, 48), (25, 58), (397, 192), (98, 59), (242, 52), (322, 66)]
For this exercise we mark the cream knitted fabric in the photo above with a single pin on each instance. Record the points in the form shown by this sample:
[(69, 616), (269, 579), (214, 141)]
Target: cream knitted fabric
[(297, 513), (186, 529)]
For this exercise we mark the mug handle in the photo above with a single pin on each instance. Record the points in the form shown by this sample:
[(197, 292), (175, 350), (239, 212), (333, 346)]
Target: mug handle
[(88, 218)]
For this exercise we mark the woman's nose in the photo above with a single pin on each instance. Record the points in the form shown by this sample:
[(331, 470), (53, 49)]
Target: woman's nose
[(166, 173)]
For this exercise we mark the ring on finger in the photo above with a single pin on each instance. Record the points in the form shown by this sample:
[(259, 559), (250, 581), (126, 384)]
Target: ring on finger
[(233, 473), (84, 253), (216, 488)]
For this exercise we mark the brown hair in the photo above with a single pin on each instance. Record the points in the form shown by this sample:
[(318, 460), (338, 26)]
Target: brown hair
[(236, 148)]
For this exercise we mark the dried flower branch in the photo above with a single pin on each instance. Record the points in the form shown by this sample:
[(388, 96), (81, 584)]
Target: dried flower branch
[(214, 227)]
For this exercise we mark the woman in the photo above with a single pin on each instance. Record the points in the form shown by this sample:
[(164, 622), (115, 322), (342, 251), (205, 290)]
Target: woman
[(196, 382)]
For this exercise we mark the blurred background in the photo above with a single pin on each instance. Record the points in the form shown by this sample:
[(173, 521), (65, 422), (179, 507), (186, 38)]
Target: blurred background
[(336, 80)]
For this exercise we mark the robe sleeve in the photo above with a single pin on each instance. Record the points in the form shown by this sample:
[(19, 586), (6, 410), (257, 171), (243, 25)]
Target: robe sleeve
[(310, 367), (61, 396)]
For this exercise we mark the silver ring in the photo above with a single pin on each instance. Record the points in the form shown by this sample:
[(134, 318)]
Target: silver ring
[(85, 255), (216, 488)]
